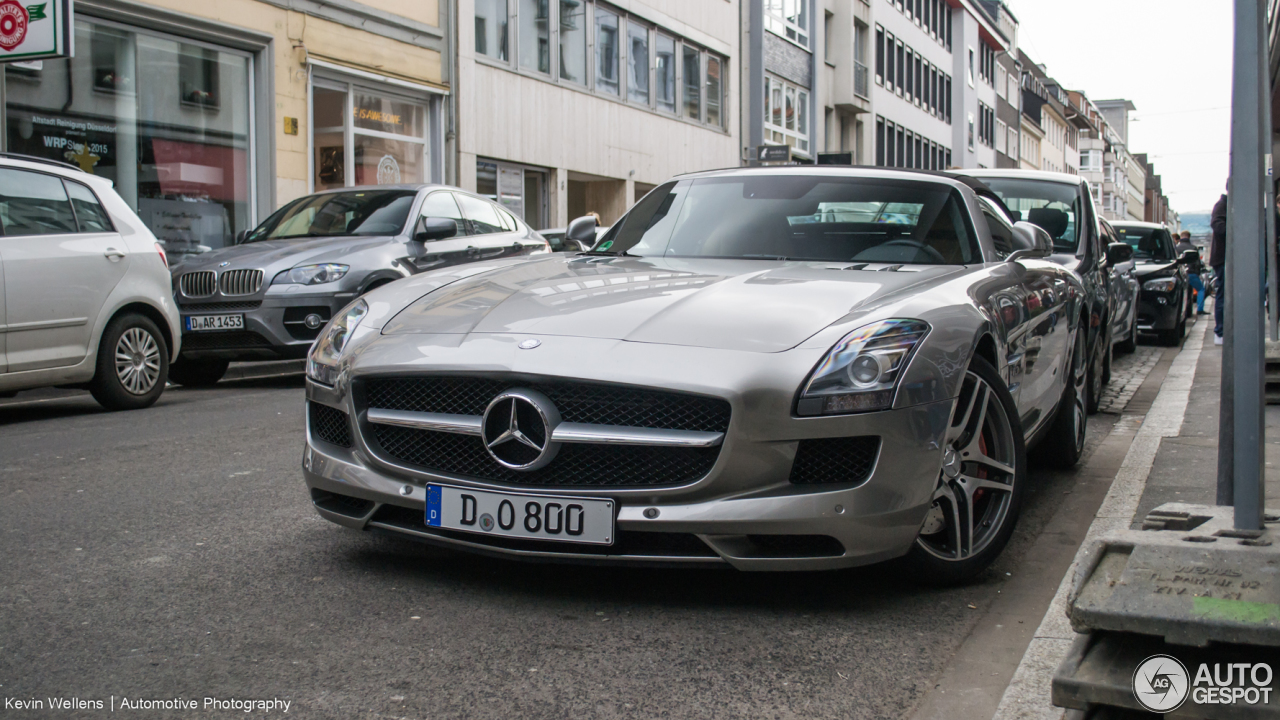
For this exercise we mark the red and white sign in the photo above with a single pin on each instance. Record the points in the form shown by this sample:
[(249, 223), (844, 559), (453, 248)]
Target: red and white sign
[(41, 29)]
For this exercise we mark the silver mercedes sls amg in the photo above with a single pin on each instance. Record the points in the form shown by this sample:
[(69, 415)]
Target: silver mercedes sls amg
[(770, 368)]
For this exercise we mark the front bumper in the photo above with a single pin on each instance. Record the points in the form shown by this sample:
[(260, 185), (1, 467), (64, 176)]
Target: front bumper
[(1159, 310), (274, 325), (744, 513)]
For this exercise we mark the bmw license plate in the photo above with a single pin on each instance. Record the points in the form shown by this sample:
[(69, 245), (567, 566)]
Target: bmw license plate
[(532, 517), (198, 323)]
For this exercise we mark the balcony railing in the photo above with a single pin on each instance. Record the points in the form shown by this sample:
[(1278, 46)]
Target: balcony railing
[(860, 84)]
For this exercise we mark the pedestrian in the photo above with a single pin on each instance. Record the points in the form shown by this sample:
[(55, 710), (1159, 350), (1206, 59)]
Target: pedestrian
[(1218, 261), (1193, 270)]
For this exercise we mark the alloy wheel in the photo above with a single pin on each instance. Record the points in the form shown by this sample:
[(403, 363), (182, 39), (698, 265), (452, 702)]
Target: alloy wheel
[(1079, 378), (975, 488), (137, 361)]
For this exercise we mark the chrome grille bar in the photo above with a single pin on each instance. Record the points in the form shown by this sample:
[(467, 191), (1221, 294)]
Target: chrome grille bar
[(564, 432), (198, 284), (240, 282)]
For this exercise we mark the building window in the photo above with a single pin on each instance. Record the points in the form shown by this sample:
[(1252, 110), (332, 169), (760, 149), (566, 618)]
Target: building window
[(901, 73), (1002, 82), (946, 101), (890, 77), (692, 83), (573, 41), (606, 52), (880, 141), (1091, 160), (1002, 137), (715, 95), (491, 28), (970, 67), (789, 19), (971, 131), (666, 74), (879, 55), (534, 17), (638, 63), (786, 119)]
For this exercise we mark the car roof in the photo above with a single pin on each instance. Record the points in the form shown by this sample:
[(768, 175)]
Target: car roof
[(1015, 173), (854, 171)]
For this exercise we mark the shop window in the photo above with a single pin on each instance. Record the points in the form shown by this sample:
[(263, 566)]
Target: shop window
[(166, 120), (363, 136)]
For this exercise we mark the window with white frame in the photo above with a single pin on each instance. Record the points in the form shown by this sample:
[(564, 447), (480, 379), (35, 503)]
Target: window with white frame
[(789, 19), (1013, 142), (1002, 137), (1002, 82), (605, 50), (1091, 160), (786, 115)]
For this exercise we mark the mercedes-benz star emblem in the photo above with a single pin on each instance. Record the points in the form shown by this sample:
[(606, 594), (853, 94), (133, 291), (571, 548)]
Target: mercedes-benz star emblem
[(517, 428)]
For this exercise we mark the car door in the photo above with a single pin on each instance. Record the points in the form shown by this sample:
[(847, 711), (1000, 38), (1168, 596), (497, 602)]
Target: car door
[(57, 272), (1122, 284), (436, 254), (495, 233)]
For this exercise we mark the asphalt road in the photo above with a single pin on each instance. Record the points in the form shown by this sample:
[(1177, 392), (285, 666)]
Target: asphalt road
[(173, 553)]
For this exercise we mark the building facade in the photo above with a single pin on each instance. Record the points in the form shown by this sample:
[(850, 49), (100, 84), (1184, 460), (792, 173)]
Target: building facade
[(209, 116), (577, 106), (1008, 85), (845, 80)]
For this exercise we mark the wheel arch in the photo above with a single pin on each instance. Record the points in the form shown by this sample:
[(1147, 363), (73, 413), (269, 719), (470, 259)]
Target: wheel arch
[(148, 311)]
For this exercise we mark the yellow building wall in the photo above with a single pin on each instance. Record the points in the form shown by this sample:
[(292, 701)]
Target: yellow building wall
[(299, 36)]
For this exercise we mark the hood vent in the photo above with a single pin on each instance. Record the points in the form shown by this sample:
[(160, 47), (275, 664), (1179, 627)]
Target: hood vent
[(240, 282), (197, 284)]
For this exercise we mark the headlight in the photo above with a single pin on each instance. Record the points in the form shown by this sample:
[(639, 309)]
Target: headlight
[(862, 370), (1164, 284), (313, 274), (322, 364)]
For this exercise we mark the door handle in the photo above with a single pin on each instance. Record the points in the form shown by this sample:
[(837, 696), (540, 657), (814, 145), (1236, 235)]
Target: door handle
[(113, 253)]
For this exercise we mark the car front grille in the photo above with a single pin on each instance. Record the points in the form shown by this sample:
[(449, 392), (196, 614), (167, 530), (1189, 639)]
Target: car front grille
[(576, 465), (223, 340), (330, 425), (240, 282), (220, 306), (835, 460), (198, 284), (591, 403)]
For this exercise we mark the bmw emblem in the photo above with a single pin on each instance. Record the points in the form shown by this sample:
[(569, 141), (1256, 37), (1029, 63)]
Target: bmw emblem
[(529, 344), (486, 522), (224, 264)]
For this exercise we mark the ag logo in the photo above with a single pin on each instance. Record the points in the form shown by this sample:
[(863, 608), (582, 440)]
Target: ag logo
[(1161, 683), (13, 22)]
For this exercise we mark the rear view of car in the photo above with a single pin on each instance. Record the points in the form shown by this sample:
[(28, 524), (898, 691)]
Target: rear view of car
[(84, 289)]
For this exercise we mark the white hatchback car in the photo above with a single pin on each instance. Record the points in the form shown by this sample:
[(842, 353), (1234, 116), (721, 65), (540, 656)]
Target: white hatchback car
[(85, 294)]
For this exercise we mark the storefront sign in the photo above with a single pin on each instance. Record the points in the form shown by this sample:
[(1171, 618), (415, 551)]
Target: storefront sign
[(773, 153), (39, 30)]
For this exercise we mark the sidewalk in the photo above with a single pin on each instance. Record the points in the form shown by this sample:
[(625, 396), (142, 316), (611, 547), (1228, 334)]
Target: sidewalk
[(1172, 457)]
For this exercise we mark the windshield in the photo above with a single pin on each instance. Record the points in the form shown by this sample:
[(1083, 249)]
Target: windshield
[(1053, 206), (798, 217), (1147, 243), (362, 212)]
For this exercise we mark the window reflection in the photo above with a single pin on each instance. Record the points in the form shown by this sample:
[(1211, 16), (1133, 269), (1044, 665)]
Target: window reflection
[(535, 35), (638, 63), (692, 84), (573, 41), (491, 28), (606, 51), (666, 75)]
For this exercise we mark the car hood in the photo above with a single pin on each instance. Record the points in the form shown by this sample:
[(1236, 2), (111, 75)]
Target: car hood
[(1147, 268), (276, 255), (749, 305)]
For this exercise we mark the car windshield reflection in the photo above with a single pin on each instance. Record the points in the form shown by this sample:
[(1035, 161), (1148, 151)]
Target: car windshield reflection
[(358, 212)]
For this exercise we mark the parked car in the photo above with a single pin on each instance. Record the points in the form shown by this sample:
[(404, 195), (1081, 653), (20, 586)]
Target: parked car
[(1166, 293), (268, 296), (555, 237), (84, 288), (1063, 205), (1125, 290), (770, 368)]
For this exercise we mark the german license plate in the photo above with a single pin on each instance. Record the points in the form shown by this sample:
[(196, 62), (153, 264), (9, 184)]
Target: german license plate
[(532, 517), (198, 323)]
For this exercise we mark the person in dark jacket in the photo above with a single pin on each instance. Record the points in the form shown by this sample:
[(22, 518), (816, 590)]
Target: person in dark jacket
[(1218, 261), (1193, 270)]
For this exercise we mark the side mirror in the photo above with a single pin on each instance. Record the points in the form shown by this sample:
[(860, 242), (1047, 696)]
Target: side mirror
[(582, 231), (433, 228), (1119, 253), (1189, 257), (1031, 241), (241, 236)]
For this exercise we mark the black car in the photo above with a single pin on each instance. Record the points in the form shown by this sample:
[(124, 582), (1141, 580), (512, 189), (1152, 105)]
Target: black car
[(1165, 302), (1063, 206)]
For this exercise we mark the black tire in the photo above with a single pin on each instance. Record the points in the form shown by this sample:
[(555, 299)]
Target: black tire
[(1130, 344), (1096, 374), (133, 364), (991, 512), (1064, 444), (198, 373), (1108, 352)]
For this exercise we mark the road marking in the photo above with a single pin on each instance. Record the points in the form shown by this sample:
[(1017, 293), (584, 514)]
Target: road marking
[(1027, 696)]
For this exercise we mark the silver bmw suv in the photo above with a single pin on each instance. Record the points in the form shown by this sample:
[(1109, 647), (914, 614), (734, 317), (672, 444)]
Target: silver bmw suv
[(268, 296)]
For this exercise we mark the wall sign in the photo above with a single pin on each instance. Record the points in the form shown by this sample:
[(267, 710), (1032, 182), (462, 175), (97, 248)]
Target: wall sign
[(773, 153), (41, 29)]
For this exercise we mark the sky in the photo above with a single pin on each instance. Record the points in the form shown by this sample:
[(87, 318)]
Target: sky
[(1172, 58)]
